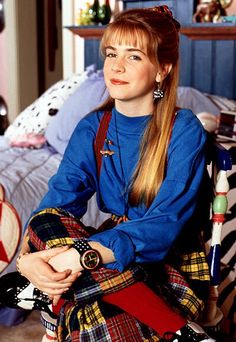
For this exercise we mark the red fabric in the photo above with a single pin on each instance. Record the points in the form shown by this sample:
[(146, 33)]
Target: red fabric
[(56, 308), (100, 138), (3, 254), (142, 303)]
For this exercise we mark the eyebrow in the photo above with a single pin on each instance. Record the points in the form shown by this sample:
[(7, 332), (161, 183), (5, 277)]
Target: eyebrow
[(129, 50)]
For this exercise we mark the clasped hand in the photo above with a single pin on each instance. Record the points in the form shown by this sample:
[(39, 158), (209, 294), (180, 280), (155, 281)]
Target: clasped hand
[(52, 271)]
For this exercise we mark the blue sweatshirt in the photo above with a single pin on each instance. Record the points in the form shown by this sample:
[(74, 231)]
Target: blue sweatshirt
[(150, 232)]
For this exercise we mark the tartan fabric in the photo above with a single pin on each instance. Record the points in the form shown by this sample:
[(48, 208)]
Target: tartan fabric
[(186, 300), (91, 324), (195, 266), (52, 228), (81, 318), (91, 287)]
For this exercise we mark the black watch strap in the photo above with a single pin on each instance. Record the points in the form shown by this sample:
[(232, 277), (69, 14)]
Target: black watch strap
[(81, 246), (90, 258)]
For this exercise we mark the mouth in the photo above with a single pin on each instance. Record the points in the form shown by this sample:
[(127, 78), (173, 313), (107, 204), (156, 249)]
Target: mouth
[(118, 82)]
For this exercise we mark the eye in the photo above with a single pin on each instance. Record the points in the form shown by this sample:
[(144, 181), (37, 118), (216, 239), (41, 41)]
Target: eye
[(135, 58), (110, 55)]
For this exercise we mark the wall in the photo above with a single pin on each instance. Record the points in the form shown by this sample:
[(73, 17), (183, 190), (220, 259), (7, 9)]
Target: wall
[(3, 65), (20, 49), (207, 65), (19, 55), (52, 76), (73, 46), (75, 54)]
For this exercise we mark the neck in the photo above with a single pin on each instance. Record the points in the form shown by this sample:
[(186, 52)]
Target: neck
[(134, 108)]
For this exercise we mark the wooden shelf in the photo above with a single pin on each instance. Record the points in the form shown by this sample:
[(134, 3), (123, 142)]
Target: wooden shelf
[(87, 32), (195, 31), (213, 32)]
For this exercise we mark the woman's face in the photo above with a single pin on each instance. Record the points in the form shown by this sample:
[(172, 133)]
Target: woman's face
[(129, 74)]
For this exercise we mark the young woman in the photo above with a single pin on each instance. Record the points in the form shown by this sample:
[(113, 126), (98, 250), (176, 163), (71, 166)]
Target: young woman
[(143, 275)]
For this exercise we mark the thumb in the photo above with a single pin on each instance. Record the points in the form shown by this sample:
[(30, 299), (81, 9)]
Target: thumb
[(49, 253)]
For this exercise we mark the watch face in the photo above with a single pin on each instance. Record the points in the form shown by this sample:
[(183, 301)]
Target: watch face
[(90, 259)]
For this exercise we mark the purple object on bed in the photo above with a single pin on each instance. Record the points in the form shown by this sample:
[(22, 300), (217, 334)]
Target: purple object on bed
[(87, 97)]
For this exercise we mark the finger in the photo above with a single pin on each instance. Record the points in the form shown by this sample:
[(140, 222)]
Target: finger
[(53, 285), (56, 299), (49, 253), (58, 276), (70, 279), (50, 275), (54, 292), (64, 282), (44, 283)]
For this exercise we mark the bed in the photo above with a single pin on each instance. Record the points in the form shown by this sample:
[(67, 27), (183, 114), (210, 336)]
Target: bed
[(32, 148)]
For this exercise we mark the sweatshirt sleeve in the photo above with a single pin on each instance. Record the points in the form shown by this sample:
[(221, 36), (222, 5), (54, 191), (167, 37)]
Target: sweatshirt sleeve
[(75, 182), (148, 239)]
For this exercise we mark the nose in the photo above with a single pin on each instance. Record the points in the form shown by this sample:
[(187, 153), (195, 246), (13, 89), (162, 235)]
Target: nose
[(118, 65)]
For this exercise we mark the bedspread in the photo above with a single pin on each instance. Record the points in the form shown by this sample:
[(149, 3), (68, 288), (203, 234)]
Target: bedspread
[(25, 172)]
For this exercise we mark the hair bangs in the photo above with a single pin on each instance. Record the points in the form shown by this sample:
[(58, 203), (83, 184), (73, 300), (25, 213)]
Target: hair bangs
[(124, 33)]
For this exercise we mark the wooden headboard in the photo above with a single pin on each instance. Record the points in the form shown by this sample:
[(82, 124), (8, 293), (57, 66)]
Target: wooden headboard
[(207, 51)]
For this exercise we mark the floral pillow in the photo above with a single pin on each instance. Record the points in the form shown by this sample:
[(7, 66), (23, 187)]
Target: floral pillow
[(29, 127)]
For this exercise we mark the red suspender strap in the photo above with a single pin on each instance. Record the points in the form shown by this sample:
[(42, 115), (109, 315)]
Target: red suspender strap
[(100, 138)]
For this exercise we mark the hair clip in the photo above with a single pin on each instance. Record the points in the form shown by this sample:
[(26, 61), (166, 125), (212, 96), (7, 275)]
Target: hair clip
[(164, 9)]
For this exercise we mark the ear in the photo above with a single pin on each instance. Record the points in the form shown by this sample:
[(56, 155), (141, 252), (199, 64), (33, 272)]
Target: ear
[(165, 70)]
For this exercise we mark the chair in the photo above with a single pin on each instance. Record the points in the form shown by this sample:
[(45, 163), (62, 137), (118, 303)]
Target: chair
[(220, 164)]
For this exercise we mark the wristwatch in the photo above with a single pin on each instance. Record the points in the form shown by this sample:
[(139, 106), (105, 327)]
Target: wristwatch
[(90, 259)]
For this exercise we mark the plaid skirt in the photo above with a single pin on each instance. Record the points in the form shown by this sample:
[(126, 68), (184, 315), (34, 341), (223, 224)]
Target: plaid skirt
[(85, 316)]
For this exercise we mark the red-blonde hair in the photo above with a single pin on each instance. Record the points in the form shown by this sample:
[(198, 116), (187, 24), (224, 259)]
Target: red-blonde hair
[(157, 33)]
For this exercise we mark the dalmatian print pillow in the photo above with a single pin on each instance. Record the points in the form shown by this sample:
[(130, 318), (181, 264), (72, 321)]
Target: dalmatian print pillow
[(36, 117)]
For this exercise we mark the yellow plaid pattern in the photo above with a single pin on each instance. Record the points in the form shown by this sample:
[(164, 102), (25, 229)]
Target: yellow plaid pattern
[(195, 265), (46, 211), (118, 281), (187, 302), (90, 316), (65, 241)]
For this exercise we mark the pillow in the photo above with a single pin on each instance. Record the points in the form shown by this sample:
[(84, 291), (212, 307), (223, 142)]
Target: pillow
[(87, 97), (196, 101), (223, 103), (35, 118)]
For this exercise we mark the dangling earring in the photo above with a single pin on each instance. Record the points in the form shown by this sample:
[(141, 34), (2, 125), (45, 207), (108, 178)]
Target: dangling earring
[(158, 93)]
